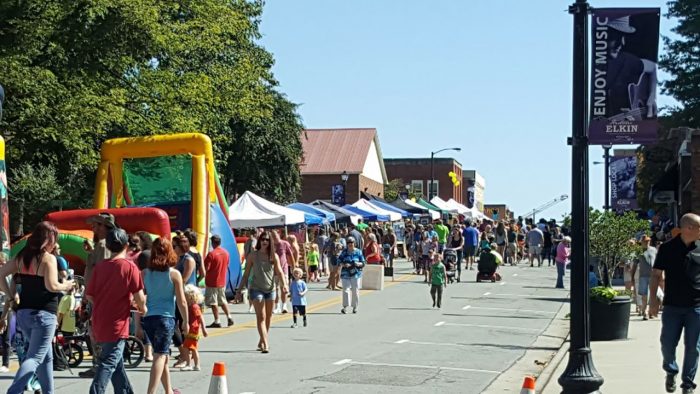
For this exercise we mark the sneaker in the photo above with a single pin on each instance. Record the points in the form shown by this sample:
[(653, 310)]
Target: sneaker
[(277, 311), (197, 368), (230, 322), (216, 324), (284, 309), (187, 368), (89, 374), (688, 390), (304, 323), (354, 310), (342, 311), (294, 325), (251, 309), (670, 383), (4, 369)]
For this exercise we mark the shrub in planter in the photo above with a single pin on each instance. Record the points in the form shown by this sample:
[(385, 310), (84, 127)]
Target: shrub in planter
[(610, 313)]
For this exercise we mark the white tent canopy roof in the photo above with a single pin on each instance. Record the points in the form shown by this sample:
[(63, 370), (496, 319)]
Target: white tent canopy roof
[(461, 209), (433, 214), (251, 210), (442, 204), (368, 206)]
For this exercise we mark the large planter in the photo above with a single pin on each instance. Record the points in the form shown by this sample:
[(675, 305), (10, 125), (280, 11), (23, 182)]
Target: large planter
[(610, 321)]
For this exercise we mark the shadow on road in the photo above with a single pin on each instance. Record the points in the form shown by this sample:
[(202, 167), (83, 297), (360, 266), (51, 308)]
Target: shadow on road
[(516, 347), (500, 317), (555, 299)]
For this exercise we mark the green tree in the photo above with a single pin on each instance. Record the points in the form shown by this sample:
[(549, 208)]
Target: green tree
[(682, 61), (79, 72), (609, 239), (34, 189), (393, 189)]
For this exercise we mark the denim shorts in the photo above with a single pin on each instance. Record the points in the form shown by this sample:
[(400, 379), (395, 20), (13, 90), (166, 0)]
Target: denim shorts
[(160, 331), (258, 295), (643, 288)]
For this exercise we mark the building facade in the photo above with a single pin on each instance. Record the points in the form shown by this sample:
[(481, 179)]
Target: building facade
[(416, 173), (474, 187), (331, 153), (497, 212)]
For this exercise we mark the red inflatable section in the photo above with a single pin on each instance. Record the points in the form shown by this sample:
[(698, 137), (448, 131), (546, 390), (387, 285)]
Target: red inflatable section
[(152, 220)]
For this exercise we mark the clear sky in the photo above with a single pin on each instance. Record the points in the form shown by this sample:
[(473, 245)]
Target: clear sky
[(490, 76)]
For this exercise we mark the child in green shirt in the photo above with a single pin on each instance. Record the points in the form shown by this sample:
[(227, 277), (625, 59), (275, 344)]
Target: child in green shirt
[(438, 280), (312, 258)]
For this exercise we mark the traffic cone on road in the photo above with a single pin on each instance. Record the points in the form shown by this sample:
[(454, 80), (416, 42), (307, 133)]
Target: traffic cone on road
[(217, 384), (528, 385)]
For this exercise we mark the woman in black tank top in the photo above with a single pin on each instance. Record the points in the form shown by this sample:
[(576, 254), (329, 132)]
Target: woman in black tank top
[(38, 290)]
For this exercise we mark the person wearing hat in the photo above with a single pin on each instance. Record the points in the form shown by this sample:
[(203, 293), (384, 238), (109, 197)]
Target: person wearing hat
[(643, 265), (113, 284), (98, 252), (562, 259)]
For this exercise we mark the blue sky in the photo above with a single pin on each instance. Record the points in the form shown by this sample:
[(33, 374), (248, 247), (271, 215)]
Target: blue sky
[(493, 77)]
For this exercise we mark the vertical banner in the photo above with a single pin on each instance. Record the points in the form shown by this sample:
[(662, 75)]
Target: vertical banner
[(338, 195), (623, 76), (471, 193), (623, 183)]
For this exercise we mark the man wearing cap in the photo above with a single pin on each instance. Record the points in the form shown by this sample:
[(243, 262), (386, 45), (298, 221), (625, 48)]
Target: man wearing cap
[(216, 265), (110, 291), (643, 264), (97, 253)]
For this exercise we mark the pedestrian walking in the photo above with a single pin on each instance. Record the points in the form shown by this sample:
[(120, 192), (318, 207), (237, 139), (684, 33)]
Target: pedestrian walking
[(456, 242), (335, 248), (438, 281), (643, 267), (442, 232), (298, 291), (35, 268), (287, 259), (352, 262), (561, 260), (264, 264), (534, 240), (547, 246), (216, 266), (321, 242), (195, 321), (681, 302), (194, 253), (313, 258), (186, 266), (164, 290), (471, 244), (113, 284)]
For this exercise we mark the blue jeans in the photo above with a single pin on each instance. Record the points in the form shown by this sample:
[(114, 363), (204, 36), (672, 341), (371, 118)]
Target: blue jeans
[(111, 367), (561, 270), (673, 320), (38, 327)]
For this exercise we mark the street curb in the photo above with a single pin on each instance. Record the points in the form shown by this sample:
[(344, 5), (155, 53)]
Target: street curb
[(555, 336)]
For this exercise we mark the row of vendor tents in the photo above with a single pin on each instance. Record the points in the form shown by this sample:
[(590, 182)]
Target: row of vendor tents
[(251, 210)]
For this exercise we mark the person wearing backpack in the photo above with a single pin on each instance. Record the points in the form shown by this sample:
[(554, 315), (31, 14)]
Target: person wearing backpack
[(681, 301)]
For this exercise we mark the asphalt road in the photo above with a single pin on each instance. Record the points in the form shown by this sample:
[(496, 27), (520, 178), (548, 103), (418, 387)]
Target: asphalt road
[(396, 343)]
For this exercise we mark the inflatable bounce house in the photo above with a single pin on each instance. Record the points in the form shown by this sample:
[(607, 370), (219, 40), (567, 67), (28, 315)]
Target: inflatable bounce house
[(176, 174)]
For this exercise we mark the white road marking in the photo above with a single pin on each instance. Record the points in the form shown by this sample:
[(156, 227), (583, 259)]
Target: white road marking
[(343, 361), (440, 323), (487, 293), (513, 310), (515, 274), (509, 295), (248, 392), (503, 283), (495, 327), (402, 341), (466, 307), (422, 367)]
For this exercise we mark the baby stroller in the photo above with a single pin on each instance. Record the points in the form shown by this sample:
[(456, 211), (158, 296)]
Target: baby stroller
[(450, 260), (487, 267)]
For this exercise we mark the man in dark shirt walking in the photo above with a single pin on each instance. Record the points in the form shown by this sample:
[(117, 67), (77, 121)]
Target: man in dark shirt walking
[(681, 304)]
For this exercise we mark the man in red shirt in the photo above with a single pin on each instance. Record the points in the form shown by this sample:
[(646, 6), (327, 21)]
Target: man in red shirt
[(216, 267), (110, 291)]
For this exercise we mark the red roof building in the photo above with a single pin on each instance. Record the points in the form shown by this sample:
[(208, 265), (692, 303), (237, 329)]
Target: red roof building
[(328, 153)]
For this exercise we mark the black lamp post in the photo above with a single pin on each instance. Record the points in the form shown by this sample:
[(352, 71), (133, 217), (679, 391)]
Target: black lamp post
[(580, 375), (432, 174), (606, 161), (344, 177)]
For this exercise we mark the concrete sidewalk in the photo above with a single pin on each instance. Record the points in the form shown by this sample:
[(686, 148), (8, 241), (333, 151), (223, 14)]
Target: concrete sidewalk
[(628, 366)]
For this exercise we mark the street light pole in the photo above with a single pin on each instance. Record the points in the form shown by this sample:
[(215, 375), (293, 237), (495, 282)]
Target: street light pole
[(432, 174), (344, 177), (606, 157), (580, 375)]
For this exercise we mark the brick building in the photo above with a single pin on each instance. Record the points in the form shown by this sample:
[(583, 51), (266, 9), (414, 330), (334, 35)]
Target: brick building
[(497, 212), (416, 173), (330, 152)]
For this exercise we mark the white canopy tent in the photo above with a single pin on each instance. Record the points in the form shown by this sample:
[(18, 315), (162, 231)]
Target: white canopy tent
[(442, 204), (434, 215), (368, 206), (251, 210), (461, 209)]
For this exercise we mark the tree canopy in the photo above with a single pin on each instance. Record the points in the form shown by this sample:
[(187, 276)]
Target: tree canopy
[(79, 72)]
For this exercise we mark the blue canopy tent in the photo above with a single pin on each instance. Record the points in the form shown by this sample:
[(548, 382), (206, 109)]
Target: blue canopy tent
[(326, 217), (388, 207), (367, 216)]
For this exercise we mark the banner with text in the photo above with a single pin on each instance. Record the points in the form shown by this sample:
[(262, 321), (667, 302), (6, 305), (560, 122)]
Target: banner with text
[(338, 194), (623, 76), (623, 182)]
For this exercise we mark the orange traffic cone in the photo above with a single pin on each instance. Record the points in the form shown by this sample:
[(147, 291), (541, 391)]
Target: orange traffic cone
[(528, 385), (217, 384)]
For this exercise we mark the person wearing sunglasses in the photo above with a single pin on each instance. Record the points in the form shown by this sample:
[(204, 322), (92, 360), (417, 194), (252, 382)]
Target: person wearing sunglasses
[(351, 261), (264, 264)]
